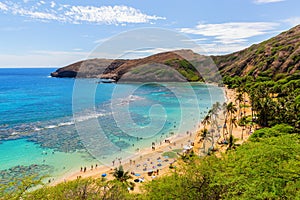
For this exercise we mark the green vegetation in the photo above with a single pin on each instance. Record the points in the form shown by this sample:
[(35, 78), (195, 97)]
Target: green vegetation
[(273, 102), (81, 189), (170, 154), (264, 169), (185, 68), (87, 188)]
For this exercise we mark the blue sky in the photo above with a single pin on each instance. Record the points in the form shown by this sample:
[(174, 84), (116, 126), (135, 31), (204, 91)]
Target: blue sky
[(56, 33)]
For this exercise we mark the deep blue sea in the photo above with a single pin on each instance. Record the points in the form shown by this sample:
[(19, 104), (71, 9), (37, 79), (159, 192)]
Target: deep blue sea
[(53, 125)]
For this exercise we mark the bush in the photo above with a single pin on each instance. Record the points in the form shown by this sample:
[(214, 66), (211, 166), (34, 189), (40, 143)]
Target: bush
[(275, 131)]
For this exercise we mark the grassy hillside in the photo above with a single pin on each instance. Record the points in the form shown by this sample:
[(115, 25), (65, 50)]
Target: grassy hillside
[(275, 57)]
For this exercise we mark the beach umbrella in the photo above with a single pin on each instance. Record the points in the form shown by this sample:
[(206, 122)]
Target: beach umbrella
[(137, 174), (103, 175), (159, 164), (186, 147), (141, 179)]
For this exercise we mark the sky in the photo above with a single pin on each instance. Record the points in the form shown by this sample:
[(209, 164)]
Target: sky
[(56, 33)]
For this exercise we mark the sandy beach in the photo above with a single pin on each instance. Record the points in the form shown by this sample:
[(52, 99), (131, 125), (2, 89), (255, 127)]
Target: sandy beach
[(153, 160), (141, 162)]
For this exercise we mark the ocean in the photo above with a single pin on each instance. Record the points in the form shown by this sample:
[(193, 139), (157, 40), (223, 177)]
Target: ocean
[(53, 126)]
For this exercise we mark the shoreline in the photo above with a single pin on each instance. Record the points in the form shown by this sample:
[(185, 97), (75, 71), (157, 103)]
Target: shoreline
[(145, 157)]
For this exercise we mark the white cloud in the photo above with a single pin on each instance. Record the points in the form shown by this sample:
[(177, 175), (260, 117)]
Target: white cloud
[(233, 32), (266, 1), (52, 4), (195, 40), (294, 21), (229, 37), (219, 49), (231, 41), (38, 15), (204, 49), (117, 15), (77, 49), (108, 14), (144, 52), (3, 6)]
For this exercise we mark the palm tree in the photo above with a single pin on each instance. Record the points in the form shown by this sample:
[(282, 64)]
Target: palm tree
[(255, 101), (224, 127), (204, 133), (239, 98), (206, 137), (214, 114), (233, 122), (214, 119), (206, 121), (242, 123), (120, 175), (216, 106), (231, 109)]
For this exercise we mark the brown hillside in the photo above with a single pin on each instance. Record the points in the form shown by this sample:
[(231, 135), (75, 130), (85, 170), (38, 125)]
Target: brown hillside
[(166, 66), (280, 54)]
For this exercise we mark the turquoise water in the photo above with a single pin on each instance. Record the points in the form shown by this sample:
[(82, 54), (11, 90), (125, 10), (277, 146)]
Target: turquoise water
[(62, 124)]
